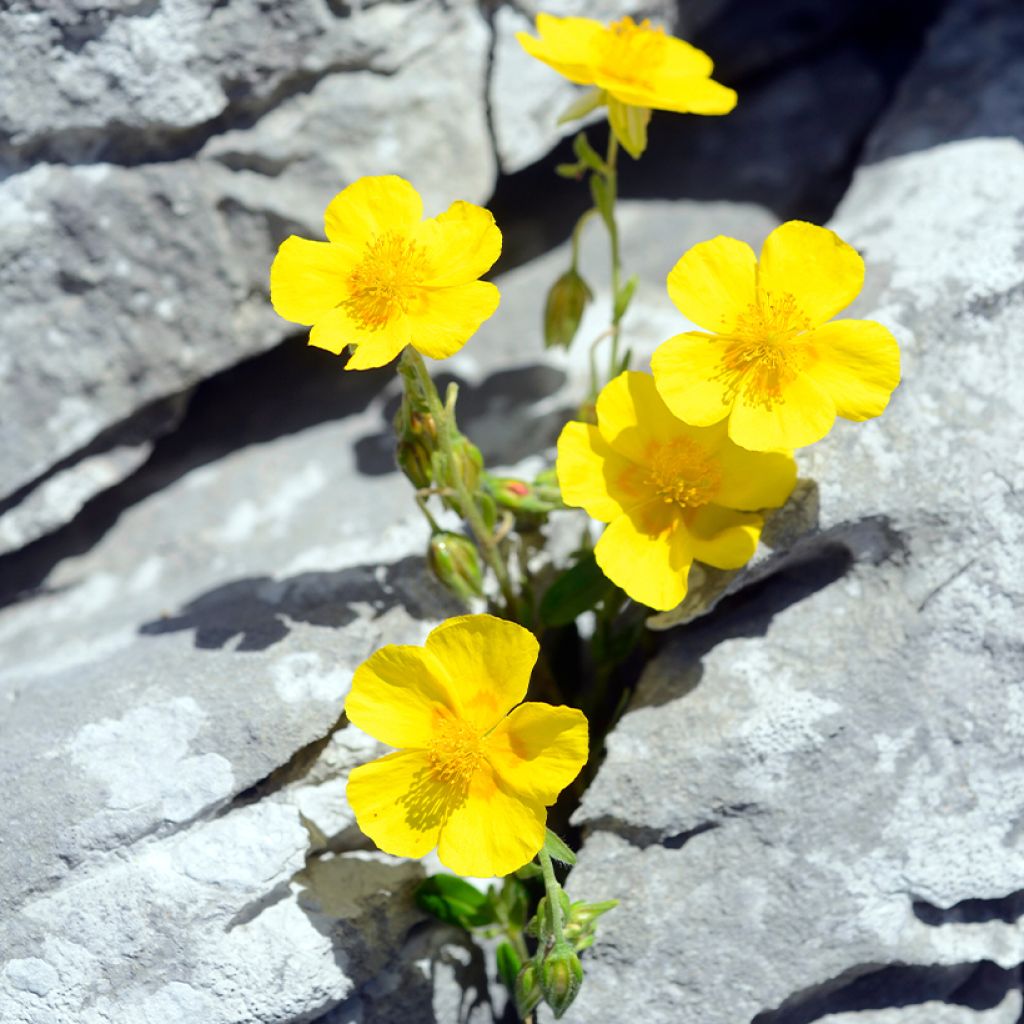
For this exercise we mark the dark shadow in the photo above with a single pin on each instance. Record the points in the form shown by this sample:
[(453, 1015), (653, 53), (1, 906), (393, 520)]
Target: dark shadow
[(498, 415), (975, 911), (260, 610), (978, 986)]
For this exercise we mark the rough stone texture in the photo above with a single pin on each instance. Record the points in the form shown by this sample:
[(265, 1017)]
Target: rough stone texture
[(835, 768)]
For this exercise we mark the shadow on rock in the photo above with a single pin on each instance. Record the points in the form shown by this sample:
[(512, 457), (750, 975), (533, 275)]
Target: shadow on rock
[(509, 416), (260, 609)]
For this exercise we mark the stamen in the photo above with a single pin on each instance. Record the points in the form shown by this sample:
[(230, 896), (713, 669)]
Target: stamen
[(682, 472), (456, 752), (386, 280)]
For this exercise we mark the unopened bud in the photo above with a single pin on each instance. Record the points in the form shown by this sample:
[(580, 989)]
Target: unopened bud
[(521, 497), (417, 442), (581, 922), (560, 977), (455, 562), (469, 463), (567, 299), (527, 991)]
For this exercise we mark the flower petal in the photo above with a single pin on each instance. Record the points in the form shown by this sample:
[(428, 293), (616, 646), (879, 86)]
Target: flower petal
[(488, 662), (681, 93), (494, 832), (568, 45), (400, 694), (336, 329), (446, 318), (593, 476), (715, 283), (723, 537), (308, 278), (370, 206), (400, 804), (462, 244), (800, 414), (814, 265), (632, 416), (647, 555), (537, 750), (754, 480), (858, 364), (692, 377)]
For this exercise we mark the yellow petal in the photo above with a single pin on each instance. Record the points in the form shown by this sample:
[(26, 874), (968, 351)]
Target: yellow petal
[(400, 805), (399, 695), (800, 414), (593, 476), (632, 416), (858, 364), (681, 93), (723, 537), (715, 283), (814, 265), (537, 750), (568, 45), (462, 244), (446, 318), (692, 377), (629, 124), (494, 832), (336, 329), (753, 480), (488, 662), (371, 206), (647, 555), (308, 278)]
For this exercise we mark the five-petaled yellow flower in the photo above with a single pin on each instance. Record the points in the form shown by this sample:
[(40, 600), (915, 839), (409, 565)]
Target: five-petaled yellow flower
[(634, 68), (475, 776), (670, 492), (770, 357), (387, 278)]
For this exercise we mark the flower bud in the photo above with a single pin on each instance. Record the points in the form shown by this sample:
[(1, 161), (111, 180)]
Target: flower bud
[(581, 922), (469, 463), (527, 991), (535, 499), (564, 310), (455, 562), (560, 977), (417, 441)]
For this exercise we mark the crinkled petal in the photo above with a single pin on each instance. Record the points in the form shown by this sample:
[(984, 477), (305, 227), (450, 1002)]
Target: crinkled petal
[(754, 480), (723, 537), (399, 803), (400, 694), (370, 207), (446, 318), (493, 832), (593, 476), (632, 417), (694, 379), (715, 283), (568, 45), (461, 244), (814, 265), (336, 329), (537, 750), (858, 364), (307, 279), (647, 555), (488, 662), (677, 92), (800, 413)]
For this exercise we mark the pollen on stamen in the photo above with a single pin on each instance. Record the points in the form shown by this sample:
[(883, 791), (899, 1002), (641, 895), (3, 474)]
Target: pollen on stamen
[(683, 473), (455, 753), (386, 280)]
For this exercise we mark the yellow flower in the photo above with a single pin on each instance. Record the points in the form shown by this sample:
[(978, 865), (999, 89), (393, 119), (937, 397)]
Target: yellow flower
[(634, 68), (772, 364), (473, 779), (670, 492), (387, 278)]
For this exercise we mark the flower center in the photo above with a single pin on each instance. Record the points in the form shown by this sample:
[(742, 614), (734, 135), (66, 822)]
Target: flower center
[(455, 752), (385, 281), (682, 472), (631, 50)]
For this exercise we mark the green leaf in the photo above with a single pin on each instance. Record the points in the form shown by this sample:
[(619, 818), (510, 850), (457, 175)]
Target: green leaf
[(587, 155), (573, 171), (529, 870), (624, 298), (557, 850), (602, 196), (455, 901), (576, 591), (509, 964)]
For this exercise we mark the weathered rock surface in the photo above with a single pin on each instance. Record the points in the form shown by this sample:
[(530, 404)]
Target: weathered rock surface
[(824, 779)]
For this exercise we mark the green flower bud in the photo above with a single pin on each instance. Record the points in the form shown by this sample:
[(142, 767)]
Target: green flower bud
[(527, 993), (455, 562), (521, 497), (581, 922), (469, 463), (567, 299), (561, 976), (417, 441)]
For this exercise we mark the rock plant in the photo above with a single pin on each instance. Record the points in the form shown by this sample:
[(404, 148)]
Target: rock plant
[(681, 463)]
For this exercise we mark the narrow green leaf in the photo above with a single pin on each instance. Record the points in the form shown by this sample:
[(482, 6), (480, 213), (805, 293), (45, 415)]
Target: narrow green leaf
[(557, 850), (624, 298), (602, 197), (455, 901), (509, 964), (573, 171), (587, 155), (576, 591)]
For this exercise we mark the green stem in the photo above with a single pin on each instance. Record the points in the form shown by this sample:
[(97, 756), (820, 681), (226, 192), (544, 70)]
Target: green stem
[(612, 178), (446, 428), (551, 891)]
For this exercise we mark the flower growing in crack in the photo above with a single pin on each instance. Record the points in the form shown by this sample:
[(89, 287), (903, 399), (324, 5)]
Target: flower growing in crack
[(770, 360), (475, 772), (387, 278), (634, 68), (670, 492)]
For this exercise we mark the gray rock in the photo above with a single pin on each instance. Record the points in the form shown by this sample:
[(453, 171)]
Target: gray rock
[(824, 779)]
